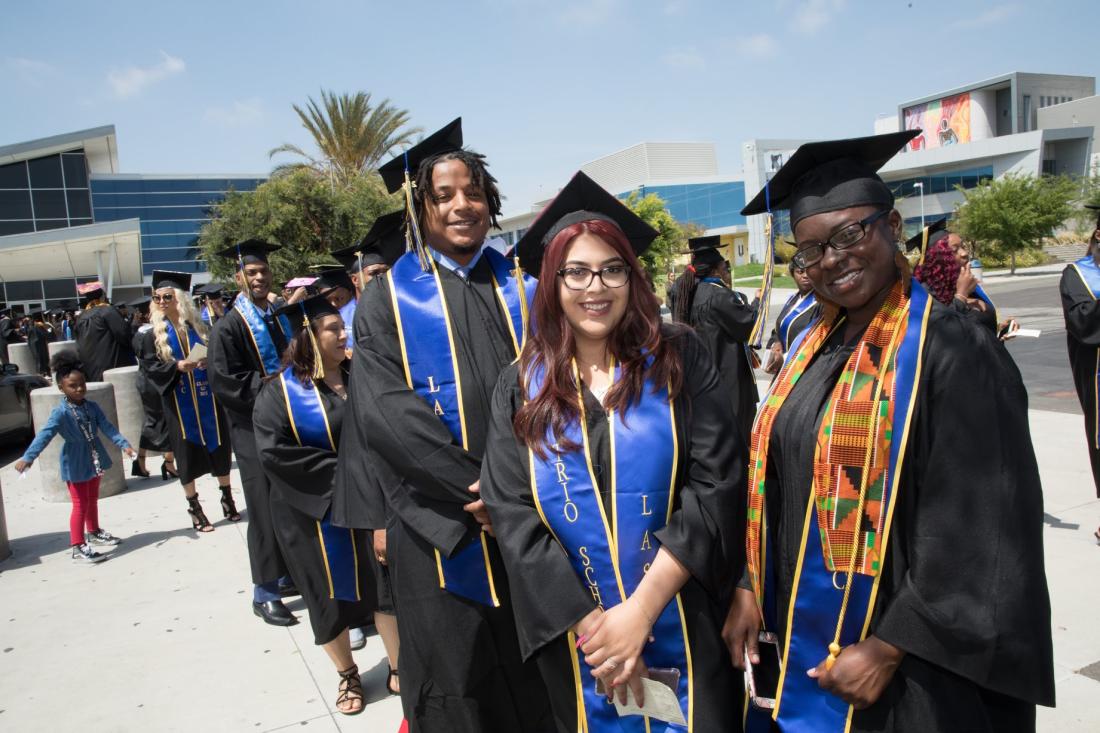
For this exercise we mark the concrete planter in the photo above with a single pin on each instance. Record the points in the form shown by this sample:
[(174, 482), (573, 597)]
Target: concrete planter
[(131, 412), (21, 356)]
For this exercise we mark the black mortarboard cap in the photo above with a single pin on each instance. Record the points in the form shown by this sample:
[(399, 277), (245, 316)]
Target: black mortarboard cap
[(333, 277), (705, 250), (937, 230), (316, 306), (210, 289), (582, 199), (249, 251), (443, 140), (142, 303), (90, 291), (168, 279), (831, 175), (383, 244)]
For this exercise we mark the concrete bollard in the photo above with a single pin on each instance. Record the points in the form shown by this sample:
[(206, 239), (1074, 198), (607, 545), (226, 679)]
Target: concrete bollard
[(21, 356), (5, 546), (48, 465), (57, 346), (131, 412)]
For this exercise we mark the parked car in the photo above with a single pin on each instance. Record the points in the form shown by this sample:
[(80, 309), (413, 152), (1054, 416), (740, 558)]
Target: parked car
[(15, 404)]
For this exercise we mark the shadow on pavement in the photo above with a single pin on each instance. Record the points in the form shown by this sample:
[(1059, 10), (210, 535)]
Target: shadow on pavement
[(30, 550)]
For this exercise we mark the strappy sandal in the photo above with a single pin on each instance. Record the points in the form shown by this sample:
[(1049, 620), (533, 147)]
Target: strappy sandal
[(351, 689), (199, 522), (392, 676), (229, 507)]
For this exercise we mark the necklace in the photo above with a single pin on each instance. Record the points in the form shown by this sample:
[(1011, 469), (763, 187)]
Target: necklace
[(84, 424)]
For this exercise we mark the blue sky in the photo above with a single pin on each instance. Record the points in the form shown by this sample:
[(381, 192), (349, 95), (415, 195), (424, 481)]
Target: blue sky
[(543, 86)]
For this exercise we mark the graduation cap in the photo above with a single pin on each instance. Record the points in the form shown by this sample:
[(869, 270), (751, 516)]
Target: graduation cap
[(141, 304), (90, 291), (300, 314), (444, 140), (831, 175), (209, 290), (582, 199), (168, 279), (333, 277), (926, 237), (249, 252), (705, 250), (383, 244)]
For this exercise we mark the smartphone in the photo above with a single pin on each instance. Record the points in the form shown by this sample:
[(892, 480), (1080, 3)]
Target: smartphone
[(762, 678)]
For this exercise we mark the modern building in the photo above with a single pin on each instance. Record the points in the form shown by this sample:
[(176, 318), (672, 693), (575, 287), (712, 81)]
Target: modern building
[(67, 215)]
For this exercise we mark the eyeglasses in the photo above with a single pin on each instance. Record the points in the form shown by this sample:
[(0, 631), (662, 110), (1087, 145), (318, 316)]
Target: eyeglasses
[(580, 278), (166, 298), (809, 255)]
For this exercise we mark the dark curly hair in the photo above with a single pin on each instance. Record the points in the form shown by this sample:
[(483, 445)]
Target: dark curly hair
[(940, 271), (479, 172), (64, 363)]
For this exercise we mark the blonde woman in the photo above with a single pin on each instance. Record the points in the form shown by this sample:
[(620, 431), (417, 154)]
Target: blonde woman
[(197, 427)]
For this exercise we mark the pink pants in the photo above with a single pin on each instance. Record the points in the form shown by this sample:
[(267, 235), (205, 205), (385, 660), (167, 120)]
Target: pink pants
[(85, 515)]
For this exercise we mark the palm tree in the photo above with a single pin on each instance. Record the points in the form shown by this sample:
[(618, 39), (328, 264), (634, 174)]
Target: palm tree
[(351, 135)]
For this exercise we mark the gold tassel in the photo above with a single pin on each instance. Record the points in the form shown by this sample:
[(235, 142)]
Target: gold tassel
[(523, 315), (413, 240), (318, 365), (923, 245)]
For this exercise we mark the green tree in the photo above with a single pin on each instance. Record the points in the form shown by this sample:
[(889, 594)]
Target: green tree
[(352, 136), (1013, 214), (300, 211), (1090, 195), (671, 238)]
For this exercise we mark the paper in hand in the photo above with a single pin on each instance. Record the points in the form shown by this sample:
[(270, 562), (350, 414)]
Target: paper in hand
[(660, 703), (197, 353)]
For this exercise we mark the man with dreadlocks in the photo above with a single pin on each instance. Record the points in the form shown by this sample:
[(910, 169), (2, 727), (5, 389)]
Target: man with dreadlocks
[(431, 338)]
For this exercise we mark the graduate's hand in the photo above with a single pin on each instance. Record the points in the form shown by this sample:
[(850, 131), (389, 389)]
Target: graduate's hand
[(967, 282), (741, 630), (379, 541), (615, 643), (186, 366), (201, 364), (775, 359), (861, 673), (477, 508), (21, 465), (130, 452)]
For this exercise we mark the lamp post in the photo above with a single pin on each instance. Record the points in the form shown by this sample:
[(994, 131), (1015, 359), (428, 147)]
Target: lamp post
[(920, 185)]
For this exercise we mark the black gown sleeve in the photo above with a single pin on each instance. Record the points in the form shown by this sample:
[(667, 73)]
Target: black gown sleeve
[(724, 310), (118, 329), (966, 573), (706, 531), (234, 382), (302, 475), (163, 375), (401, 425), (1081, 309), (547, 596)]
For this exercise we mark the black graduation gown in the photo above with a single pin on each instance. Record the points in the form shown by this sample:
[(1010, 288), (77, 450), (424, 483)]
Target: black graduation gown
[(301, 480), (964, 591), (798, 325), (192, 460), (38, 340), (724, 320), (8, 331), (1082, 314), (103, 340), (706, 533), (460, 661), (236, 376), (154, 431)]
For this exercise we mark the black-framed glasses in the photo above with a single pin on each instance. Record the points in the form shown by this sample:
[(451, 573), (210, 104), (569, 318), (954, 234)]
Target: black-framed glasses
[(166, 298), (580, 278), (809, 255)]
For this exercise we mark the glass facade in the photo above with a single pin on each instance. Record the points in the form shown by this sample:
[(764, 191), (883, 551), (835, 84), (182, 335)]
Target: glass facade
[(708, 205), (941, 183), (171, 210), (44, 193)]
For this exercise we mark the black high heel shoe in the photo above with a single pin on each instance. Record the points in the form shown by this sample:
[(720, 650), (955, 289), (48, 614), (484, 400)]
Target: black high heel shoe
[(165, 472), (137, 471), (199, 522), (229, 508)]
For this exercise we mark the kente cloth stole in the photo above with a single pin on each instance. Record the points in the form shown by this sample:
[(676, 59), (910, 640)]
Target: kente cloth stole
[(310, 425), (801, 304), (259, 328), (611, 554), (195, 403), (431, 370), (1089, 272), (858, 459)]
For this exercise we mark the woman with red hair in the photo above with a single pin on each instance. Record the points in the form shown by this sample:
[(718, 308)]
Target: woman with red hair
[(614, 488)]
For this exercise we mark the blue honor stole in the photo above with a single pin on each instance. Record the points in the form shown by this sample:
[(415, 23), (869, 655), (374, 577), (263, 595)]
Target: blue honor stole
[(423, 327), (981, 295), (611, 555), (801, 706), (205, 315), (1089, 272), (309, 423), (802, 303), (195, 404), (259, 328)]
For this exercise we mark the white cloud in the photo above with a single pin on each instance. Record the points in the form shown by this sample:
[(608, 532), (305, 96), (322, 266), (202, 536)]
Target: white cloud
[(758, 45), (990, 17), (687, 59), (241, 113), (587, 13), (29, 71), (133, 79), (809, 16)]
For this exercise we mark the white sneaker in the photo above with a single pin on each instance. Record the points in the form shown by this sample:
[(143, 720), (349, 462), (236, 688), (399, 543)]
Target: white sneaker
[(85, 555), (358, 639)]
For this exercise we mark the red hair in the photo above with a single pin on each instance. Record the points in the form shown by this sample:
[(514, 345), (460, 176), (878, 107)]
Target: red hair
[(636, 343), (940, 271)]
